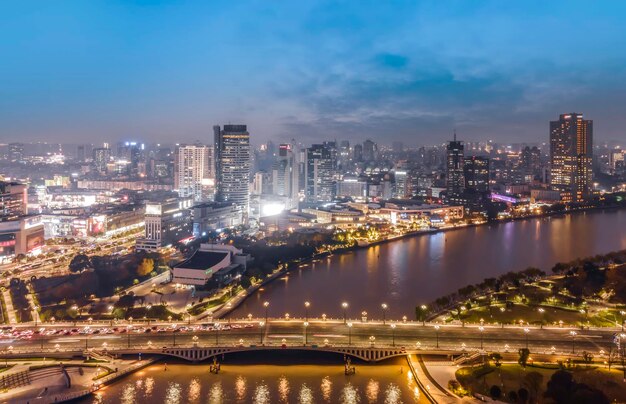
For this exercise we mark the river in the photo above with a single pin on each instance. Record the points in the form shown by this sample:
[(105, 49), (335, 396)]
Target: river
[(416, 270), (285, 380)]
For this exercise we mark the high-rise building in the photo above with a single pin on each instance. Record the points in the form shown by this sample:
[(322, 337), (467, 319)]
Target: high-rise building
[(101, 157), (12, 200), (166, 222), (320, 170), (285, 175), (358, 153), (16, 152), (571, 144), (455, 181), (370, 150), (193, 172), (232, 162), (476, 173)]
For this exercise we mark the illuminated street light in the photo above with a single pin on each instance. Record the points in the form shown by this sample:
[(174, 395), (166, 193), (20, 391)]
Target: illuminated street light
[(423, 313), (393, 334), (384, 307), (306, 311), (573, 334), (306, 340), (266, 304), (344, 305), (526, 331), (541, 310), (481, 329), (437, 326), (372, 340), (349, 333)]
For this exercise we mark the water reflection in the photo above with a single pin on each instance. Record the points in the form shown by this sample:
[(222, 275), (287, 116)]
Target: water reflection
[(263, 384)]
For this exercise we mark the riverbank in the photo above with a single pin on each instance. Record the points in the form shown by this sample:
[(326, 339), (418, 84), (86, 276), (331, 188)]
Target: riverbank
[(238, 300)]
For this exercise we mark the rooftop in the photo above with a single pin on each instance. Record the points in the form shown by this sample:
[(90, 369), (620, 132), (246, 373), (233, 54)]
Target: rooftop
[(202, 260)]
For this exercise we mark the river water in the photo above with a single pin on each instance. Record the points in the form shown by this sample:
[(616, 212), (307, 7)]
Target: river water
[(241, 382), (417, 270)]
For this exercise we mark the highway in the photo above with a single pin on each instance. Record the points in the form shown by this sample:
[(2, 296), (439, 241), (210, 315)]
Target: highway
[(319, 332)]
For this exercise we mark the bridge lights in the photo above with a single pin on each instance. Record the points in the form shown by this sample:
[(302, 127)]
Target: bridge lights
[(364, 316), (372, 340), (195, 340)]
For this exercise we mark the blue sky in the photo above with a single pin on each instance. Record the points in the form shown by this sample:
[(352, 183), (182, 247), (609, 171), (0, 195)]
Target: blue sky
[(391, 70)]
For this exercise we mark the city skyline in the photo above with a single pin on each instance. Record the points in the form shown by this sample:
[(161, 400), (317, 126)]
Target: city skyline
[(153, 71)]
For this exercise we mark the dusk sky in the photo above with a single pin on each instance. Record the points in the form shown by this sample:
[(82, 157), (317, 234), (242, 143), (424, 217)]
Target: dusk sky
[(88, 71)]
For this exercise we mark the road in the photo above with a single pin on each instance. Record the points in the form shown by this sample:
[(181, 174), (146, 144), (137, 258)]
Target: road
[(321, 332)]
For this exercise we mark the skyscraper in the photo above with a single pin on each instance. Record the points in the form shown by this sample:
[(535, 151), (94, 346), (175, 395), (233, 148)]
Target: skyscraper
[(476, 173), (285, 175), (320, 172), (101, 157), (232, 162), (455, 181), (194, 173), (16, 152), (571, 143)]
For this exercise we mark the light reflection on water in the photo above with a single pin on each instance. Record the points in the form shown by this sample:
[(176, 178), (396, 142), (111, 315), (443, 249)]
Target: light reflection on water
[(304, 384)]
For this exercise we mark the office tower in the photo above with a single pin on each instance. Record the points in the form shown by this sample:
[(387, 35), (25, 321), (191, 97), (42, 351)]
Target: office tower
[(455, 182), (320, 172), (370, 150), (193, 172), (401, 183), (285, 175), (16, 152), (476, 173), (166, 222), (101, 157), (358, 153), (80, 153), (344, 153), (571, 143), (12, 200), (232, 161), (530, 160)]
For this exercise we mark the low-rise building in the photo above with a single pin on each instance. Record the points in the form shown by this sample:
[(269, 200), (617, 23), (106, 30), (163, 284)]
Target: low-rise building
[(212, 265)]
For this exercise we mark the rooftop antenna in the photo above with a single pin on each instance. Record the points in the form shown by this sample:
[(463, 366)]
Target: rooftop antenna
[(455, 134)]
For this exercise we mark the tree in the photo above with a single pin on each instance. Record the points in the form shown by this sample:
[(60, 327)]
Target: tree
[(560, 386), (245, 282), (587, 357), (522, 395), (512, 396), (495, 392), (524, 354), (496, 357), (145, 267), (79, 263)]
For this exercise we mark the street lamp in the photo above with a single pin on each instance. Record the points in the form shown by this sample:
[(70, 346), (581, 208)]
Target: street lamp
[(372, 340), (393, 334), (437, 326), (423, 313), (541, 310), (174, 333), (344, 305), (188, 313), (526, 331), (266, 304), (573, 334), (195, 340), (306, 311), (481, 329), (261, 324), (306, 340), (349, 333), (384, 307)]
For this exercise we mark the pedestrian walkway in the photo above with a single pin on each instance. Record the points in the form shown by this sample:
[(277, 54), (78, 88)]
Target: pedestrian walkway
[(438, 394), (8, 302)]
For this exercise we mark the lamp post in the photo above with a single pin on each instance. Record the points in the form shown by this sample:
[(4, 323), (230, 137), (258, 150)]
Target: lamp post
[(573, 334), (372, 340), (541, 310), (262, 330), (393, 334), (266, 304), (423, 314), (306, 311), (195, 340), (349, 333), (86, 337), (188, 313), (384, 307), (111, 313), (174, 333), (36, 309), (437, 326), (481, 329), (306, 339), (526, 331), (344, 305)]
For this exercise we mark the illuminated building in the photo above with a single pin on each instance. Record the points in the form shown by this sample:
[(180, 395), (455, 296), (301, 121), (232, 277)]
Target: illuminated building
[(212, 265), (194, 172), (285, 175), (455, 182), (13, 200), (215, 216), (232, 162), (19, 233), (476, 174), (571, 142), (16, 152), (320, 167), (101, 157), (166, 222)]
